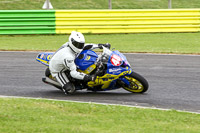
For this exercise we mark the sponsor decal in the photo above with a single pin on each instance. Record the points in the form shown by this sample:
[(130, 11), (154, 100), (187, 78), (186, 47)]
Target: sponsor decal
[(44, 58), (42, 55), (69, 61), (89, 69), (114, 70), (49, 57), (88, 58)]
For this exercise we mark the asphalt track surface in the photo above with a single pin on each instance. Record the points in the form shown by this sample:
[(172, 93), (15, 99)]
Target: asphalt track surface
[(174, 81)]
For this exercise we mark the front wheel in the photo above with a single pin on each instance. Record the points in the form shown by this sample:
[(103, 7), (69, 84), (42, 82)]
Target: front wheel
[(138, 84)]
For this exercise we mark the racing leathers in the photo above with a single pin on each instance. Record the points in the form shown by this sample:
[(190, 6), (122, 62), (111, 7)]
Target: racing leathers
[(63, 60)]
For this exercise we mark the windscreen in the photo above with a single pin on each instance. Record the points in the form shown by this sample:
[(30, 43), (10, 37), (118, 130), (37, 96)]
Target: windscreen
[(105, 55)]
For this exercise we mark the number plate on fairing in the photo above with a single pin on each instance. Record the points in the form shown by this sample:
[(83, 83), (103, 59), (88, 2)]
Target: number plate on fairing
[(116, 60)]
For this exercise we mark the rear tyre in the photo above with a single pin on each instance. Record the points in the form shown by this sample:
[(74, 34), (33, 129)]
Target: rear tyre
[(47, 72), (138, 84)]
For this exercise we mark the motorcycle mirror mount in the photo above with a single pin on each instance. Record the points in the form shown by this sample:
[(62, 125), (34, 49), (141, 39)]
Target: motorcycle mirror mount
[(113, 49), (87, 47)]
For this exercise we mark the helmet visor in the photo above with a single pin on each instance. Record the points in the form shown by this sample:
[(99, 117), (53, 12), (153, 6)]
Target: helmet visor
[(78, 45)]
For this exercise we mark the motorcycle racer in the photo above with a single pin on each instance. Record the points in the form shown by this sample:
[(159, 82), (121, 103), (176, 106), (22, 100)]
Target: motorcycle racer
[(63, 60)]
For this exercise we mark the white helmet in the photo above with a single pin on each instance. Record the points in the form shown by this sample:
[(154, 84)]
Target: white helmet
[(76, 41)]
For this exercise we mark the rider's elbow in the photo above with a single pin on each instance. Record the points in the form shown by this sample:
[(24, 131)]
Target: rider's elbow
[(73, 74)]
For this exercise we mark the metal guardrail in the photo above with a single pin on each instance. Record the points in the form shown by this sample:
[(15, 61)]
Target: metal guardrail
[(128, 21), (27, 22), (99, 21)]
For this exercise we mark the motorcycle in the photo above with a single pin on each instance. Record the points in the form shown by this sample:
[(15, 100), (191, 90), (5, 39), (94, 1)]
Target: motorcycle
[(111, 69)]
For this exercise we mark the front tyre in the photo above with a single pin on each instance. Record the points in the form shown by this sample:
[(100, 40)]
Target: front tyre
[(138, 84)]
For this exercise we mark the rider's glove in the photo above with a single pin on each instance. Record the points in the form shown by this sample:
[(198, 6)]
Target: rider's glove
[(88, 78), (107, 45)]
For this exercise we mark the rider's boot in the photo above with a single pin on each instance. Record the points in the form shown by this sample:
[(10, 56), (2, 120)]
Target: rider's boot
[(68, 88)]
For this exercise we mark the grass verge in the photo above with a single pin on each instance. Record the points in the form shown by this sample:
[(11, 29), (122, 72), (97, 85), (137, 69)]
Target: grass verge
[(182, 43), (97, 4), (31, 115)]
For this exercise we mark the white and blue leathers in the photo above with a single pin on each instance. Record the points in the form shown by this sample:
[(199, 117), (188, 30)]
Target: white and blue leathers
[(63, 60)]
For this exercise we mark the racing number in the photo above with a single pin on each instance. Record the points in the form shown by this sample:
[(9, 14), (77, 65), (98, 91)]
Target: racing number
[(116, 60)]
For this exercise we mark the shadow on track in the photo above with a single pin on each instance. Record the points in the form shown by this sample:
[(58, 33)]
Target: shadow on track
[(57, 93)]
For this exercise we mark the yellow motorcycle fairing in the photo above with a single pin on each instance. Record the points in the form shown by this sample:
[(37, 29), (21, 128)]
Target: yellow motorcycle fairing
[(88, 70), (106, 80)]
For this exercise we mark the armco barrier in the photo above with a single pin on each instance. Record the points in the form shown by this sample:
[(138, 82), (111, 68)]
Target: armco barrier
[(99, 21), (27, 22), (128, 21)]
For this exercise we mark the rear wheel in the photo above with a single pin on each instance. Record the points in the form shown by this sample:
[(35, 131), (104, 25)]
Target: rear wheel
[(47, 72), (138, 84)]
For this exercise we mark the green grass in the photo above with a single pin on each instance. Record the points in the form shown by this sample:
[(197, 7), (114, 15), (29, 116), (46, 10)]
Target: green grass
[(29, 115), (183, 43), (97, 4)]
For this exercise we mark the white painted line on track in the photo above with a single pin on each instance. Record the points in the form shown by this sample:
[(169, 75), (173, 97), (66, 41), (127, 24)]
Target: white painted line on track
[(22, 51), (164, 54), (140, 107)]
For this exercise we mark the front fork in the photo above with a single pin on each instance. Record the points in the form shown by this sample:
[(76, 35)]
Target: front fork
[(123, 80)]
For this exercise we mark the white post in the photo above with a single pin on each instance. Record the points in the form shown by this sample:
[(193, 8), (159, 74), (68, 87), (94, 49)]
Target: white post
[(48, 4), (110, 4), (169, 4)]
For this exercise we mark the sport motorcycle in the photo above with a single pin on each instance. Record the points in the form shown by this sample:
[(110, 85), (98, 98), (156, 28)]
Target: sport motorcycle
[(111, 69)]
